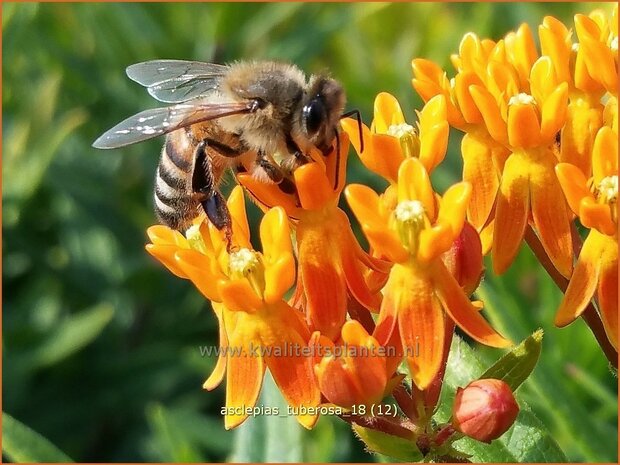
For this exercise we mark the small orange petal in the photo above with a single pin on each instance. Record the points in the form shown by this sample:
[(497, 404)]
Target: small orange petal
[(278, 254), (605, 154), (236, 207), (313, 187), (387, 112), (163, 235), (217, 375), (553, 113), (268, 195), (574, 184), (165, 254), (490, 113), (385, 157), (523, 126), (597, 215), (201, 270), (414, 184), (468, 107), (511, 213), (434, 131), (555, 42), (582, 283), (238, 295)]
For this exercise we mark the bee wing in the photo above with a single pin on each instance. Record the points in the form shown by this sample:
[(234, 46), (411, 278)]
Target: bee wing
[(157, 121), (176, 81)]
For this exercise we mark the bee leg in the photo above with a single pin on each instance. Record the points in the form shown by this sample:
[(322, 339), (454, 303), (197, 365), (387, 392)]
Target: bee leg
[(207, 194)]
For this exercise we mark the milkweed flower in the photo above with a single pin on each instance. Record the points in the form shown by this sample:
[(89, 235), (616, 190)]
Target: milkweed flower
[(355, 372), (247, 288), (412, 228), (390, 140), (522, 104), (594, 200), (332, 264)]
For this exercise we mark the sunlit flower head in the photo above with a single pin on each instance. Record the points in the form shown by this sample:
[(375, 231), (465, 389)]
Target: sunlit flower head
[(413, 228), (247, 288)]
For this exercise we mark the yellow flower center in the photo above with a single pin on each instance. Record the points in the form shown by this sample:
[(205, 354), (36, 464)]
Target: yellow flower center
[(522, 99), (410, 216), (613, 44), (246, 263), (195, 240), (575, 47), (406, 135)]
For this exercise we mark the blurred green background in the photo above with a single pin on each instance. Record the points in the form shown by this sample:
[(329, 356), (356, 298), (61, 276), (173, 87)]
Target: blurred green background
[(100, 343)]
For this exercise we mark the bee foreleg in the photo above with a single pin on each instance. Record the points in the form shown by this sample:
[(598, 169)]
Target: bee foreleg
[(205, 191)]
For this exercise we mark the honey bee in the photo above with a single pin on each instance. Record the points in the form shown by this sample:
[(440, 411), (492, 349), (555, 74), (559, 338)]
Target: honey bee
[(236, 116)]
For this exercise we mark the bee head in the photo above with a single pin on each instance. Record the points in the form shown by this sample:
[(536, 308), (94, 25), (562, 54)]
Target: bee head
[(322, 107)]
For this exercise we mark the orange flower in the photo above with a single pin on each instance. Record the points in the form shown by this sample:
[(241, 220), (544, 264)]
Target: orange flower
[(257, 327), (390, 140), (594, 200), (332, 265), (354, 373), (585, 111), (483, 157), (411, 227)]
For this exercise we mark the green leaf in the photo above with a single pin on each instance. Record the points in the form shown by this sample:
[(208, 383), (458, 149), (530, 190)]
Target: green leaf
[(515, 367), (75, 333), (528, 440), (21, 444), (391, 446), (270, 437), (172, 441)]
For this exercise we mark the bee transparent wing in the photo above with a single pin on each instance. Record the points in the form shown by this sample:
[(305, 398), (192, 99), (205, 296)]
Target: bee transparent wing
[(157, 121), (176, 81)]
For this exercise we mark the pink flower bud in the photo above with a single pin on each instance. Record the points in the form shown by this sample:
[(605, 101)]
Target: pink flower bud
[(484, 410)]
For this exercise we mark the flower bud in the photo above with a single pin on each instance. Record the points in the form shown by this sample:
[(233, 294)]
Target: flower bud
[(353, 373), (484, 410)]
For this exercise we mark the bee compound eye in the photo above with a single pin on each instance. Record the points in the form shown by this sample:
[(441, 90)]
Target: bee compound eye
[(314, 115)]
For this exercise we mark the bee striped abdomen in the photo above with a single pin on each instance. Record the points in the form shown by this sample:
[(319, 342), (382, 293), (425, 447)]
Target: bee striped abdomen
[(174, 203)]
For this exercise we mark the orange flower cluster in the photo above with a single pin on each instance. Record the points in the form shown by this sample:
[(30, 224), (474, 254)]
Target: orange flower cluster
[(331, 321), (540, 146)]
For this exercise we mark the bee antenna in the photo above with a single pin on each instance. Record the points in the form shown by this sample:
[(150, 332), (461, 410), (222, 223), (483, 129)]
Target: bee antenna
[(358, 117)]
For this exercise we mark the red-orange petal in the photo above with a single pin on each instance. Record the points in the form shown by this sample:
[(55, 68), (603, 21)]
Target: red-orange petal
[(583, 281), (218, 373), (511, 213), (608, 289), (551, 216), (244, 378), (420, 321), (292, 372), (481, 173), (462, 311)]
